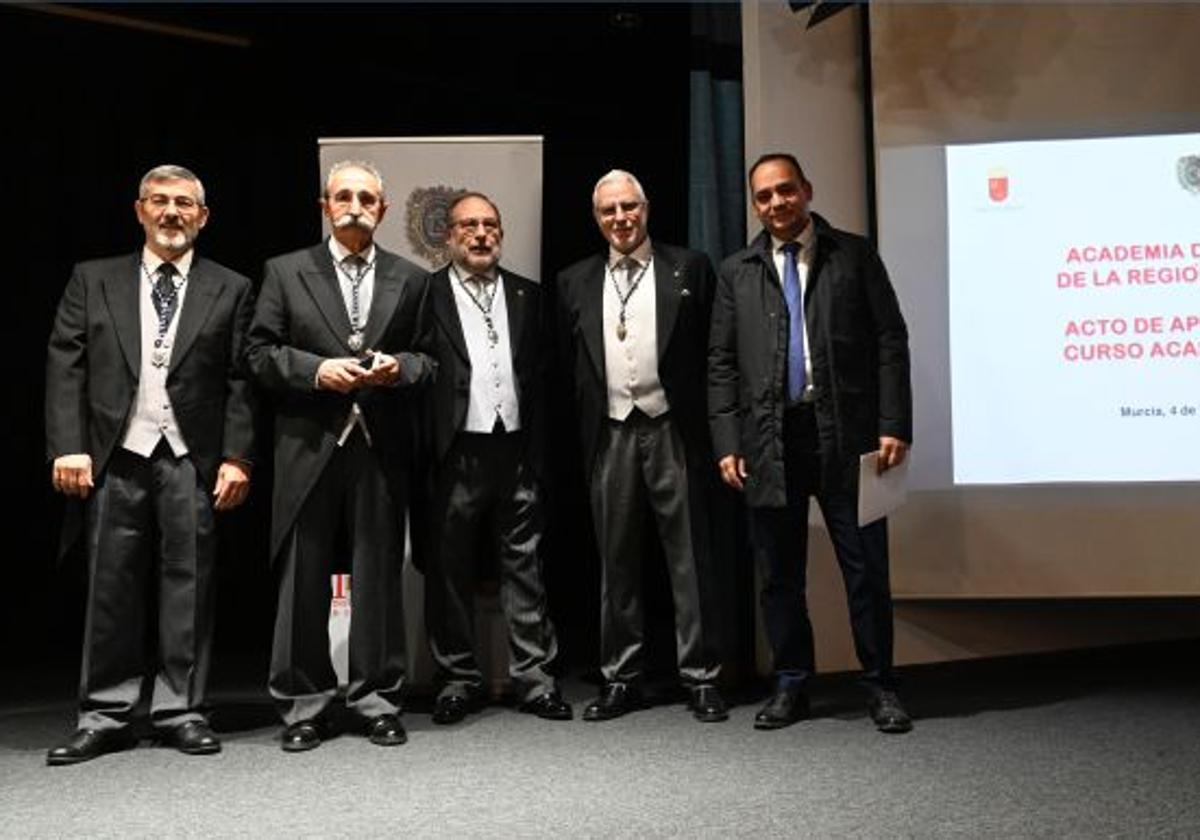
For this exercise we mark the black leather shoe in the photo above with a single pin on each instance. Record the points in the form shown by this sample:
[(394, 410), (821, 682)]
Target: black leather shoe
[(615, 700), (450, 708), (549, 706), (783, 709), (888, 713), (386, 731), (193, 738), (301, 736), (87, 744), (707, 705)]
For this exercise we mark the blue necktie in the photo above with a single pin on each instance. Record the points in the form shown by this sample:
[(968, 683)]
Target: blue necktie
[(795, 305)]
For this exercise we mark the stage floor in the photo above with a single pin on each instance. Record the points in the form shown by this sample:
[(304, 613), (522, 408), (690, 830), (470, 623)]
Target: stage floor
[(1101, 744)]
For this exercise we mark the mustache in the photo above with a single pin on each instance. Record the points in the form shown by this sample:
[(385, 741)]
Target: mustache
[(350, 220)]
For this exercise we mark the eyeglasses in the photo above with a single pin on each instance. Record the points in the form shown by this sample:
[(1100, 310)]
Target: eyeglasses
[(183, 203), (608, 211), (468, 225)]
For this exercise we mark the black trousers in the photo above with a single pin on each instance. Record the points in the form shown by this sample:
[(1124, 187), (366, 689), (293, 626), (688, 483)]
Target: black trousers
[(150, 527), (488, 505), (352, 491), (641, 474), (780, 540)]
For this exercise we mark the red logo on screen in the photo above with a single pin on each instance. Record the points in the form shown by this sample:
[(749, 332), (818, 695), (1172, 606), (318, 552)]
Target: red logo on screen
[(997, 185)]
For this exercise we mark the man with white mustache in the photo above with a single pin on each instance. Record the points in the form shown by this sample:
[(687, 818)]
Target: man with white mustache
[(335, 340), (149, 423)]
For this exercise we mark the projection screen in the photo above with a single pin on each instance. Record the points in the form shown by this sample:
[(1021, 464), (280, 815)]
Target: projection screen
[(1038, 194)]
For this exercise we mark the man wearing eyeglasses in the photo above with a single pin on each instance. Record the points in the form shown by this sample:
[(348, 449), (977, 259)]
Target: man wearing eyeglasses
[(335, 340), (486, 423), (633, 326), (149, 423)]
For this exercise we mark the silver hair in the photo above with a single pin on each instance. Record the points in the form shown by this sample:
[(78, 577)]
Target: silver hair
[(618, 175), (363, 165), (170, 172)]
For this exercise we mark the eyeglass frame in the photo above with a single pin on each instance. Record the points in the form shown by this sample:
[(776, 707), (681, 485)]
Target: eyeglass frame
[(182, 203)]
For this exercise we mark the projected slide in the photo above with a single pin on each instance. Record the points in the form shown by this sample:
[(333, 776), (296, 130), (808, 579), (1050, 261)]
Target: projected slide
[(1074, 280)]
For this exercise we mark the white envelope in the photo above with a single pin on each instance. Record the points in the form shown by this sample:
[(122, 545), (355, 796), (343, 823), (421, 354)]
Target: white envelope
[(879, 495)]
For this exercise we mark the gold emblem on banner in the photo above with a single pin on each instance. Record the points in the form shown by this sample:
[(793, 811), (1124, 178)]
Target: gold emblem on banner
[(425, 221)]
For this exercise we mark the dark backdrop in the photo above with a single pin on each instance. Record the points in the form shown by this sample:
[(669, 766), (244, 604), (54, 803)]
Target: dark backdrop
[(240, 94)]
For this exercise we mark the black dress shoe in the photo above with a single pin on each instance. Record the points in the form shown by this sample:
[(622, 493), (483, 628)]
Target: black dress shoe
[(450, 708), (301, 736), (888, 713), (87, 744), (615, 700), (192, 737), (549, 706), (783, 709), (707, 705), (386, 731)]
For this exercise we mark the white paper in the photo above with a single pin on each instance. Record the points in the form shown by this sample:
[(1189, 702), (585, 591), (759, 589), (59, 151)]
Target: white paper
[(879, 495)]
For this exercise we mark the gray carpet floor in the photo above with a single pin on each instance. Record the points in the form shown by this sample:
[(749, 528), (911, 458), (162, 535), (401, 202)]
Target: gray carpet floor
[(1044, 754)]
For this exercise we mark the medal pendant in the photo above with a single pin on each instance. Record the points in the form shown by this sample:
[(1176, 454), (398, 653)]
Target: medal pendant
[(493, 337), (621, 333), (355, 342), (158, 357)]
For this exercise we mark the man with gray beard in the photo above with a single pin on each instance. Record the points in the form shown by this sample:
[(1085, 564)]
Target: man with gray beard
[(150, 429), (335, 341)]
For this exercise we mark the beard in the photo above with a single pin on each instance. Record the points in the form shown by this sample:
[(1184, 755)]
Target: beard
[(174, 239)]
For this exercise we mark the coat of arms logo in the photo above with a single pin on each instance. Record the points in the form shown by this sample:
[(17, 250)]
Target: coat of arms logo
[(425, 222), (1189, 173)]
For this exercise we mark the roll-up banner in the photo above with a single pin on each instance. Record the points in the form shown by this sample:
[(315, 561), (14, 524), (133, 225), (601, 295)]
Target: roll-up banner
[(421, 175)]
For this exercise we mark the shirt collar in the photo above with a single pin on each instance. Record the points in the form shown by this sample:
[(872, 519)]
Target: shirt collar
[(461, 273), (183, 263), (804, 237), (641, 254), (340, 253)]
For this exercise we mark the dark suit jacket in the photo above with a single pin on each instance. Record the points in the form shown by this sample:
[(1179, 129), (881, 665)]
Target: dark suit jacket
[(300, 320), (859, 348), (684, 283), (95, 357), (526, 329)]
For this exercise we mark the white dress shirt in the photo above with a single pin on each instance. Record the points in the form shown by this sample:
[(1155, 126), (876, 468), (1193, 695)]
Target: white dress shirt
[(493, 388), (152, 417), (631, 365)]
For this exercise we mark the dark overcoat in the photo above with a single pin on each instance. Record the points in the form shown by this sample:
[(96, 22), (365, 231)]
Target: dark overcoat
[(858, 344)]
